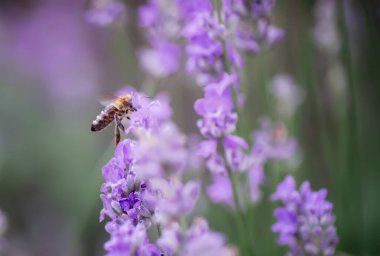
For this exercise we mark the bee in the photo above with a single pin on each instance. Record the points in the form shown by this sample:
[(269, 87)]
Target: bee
[(117, 110)]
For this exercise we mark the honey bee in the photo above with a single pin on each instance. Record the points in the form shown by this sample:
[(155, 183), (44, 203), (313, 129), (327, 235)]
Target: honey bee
[(119, 108)]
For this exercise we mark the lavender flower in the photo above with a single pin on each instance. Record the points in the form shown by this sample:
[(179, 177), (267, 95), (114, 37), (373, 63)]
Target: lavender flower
[(129, 239), (216, 108), (143, 187), (150, 114), (256, 178), (161, 18), (204, 49), (305, 223), (262, 7), (212, 41), (268, 33), (208, 150), (105, 12), (190, 8), (201, 240), (144, 181), (179, 200), (124, 193), (287, 93), (198, 240), (272, 143), (220, 191), (236, 158), (161, 21), (326, 31), (248, 22), (245, 39), (161, 60), (160, 152)]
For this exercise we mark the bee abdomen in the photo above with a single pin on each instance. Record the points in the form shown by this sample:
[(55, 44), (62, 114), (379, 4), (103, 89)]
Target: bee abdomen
[(104, 118)]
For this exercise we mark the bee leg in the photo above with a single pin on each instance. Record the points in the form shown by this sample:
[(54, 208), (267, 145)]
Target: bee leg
[(119, 124), (117, 135)]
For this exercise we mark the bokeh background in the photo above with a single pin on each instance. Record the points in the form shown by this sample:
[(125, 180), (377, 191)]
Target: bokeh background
[(54, 66)]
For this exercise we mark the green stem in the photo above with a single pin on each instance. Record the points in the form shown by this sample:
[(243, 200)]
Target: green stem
[(242, 222), (234, 191), (241, 218), (158, 229)]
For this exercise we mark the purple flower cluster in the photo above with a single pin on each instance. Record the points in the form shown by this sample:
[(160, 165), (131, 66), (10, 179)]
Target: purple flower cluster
[(144, 182), (288, 95), (217, 109), (249, 24), (215, 35), (105, 12), (198, 240), (129, 239), (144, 187), (123, 193), (272, 142), (269, 144), (160, 19), (305, 222), (205, 47)]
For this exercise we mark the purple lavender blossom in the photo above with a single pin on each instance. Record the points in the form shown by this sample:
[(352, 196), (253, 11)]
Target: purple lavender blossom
[(287, 93), (248, 22), (198, 240), (143, 186), (191, 7), (216, 108), (269, 144), (144, 180), (128, 239), (305, 223), (220, 191), (178, 201), (161, 60), (245, 39), (149, 15), (269, 34), (201, 240), (236, 158), (256, 178), (273, 143), (105, 12), (326, 31), (204, 48), (123, 193), (207, 150), (262, 7), (150, 114), (161, 20), (160, 152)]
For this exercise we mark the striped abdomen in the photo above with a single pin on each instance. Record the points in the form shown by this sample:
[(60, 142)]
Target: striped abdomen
[(104, 118)]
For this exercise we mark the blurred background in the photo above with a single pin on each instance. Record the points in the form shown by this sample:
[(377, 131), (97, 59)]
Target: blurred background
[(54, 65)]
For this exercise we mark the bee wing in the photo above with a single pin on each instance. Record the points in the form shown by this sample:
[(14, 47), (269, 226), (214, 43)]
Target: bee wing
[(107, 99)]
